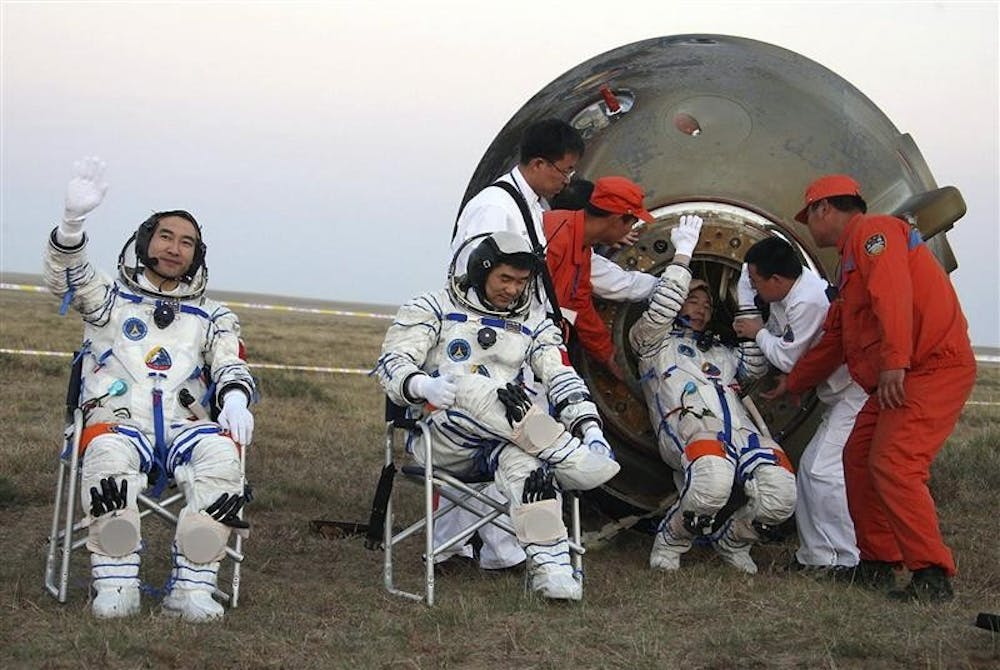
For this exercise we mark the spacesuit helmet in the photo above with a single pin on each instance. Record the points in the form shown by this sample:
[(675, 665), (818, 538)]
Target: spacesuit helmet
[(490, 252), (134, 257)]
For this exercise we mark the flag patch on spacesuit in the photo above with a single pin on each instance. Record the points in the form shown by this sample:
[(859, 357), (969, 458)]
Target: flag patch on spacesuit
[(710, 370), (685, 350), (134, 329), (158, 359), (788, 335), (875, 244), (459, 350)]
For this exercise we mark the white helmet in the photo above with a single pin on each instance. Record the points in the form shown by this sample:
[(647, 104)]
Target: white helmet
[(492, 250)]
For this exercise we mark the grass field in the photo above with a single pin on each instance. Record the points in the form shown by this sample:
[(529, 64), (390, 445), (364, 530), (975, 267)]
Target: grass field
[(312, 602)]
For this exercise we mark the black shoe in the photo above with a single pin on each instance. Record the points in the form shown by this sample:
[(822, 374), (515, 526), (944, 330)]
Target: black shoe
[(874, 575), (928, 585)]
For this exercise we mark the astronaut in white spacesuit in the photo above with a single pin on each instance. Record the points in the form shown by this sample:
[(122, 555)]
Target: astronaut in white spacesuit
[(704, 433), (459, 353), (156, 355)]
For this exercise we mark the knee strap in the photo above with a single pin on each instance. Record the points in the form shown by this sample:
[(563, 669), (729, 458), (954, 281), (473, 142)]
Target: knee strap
[(539, 522), (537, 432), (201, 538), (114, 534)]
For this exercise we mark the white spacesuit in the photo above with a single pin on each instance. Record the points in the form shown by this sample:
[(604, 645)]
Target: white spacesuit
[(459, 352), (703, 431), (155, 357)]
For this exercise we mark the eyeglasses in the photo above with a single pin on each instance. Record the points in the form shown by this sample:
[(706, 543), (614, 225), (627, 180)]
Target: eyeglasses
[(630, 219), (567, 174)]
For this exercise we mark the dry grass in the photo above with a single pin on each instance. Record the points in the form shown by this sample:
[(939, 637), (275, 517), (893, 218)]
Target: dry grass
[(311, 602)]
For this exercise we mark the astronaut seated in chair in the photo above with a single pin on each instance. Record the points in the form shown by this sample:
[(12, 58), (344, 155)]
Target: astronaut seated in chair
[(150, 336), (458, 354)]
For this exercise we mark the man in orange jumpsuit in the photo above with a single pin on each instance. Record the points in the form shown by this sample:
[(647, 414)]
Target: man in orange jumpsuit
[(898, 324), (614, 207)]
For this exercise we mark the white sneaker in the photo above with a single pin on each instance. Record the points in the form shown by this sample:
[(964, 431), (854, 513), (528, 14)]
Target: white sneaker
[(194, 606), (556, 585), (736, 554), (666, 556), (116, 602)]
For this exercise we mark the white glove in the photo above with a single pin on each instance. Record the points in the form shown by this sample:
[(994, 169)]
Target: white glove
[(83, 194), (684, 235), (438, 391), (744, 291), (235, 417), (593, 439)]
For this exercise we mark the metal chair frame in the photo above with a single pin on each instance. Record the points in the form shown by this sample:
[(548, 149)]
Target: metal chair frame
[(69, 526), (438, 480)]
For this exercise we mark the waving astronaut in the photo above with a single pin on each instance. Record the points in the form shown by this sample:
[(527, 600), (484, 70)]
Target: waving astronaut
[(156, 352), (459, 353), (704, 433)]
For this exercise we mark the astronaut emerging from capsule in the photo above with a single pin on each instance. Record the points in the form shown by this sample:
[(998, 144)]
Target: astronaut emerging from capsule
[(155, 354), (704, 433), (459, 353)]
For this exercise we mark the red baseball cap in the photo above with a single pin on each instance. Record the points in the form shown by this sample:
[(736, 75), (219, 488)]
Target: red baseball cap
[(828, 186), (619, 195)]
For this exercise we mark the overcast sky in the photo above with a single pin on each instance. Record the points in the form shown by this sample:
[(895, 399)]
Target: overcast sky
[(325, 147)]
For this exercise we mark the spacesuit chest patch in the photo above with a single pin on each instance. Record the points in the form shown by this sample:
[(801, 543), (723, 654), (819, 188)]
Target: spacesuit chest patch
[(158, 358), (875, 244), (788, 335), (134, 329), (685, 350), (710, 370), (459, 350)]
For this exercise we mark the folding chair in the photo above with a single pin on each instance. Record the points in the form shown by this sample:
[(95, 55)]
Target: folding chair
[(69, 534), (454, 491)]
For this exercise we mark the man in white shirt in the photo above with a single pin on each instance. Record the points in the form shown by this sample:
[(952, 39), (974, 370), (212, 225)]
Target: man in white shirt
[(799, 304)]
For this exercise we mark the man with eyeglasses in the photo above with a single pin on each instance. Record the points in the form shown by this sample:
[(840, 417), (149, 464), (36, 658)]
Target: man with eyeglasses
[(898, 324), (549, 151)]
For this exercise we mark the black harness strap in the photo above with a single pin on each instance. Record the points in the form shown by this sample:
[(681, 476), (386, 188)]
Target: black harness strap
[(536, 247)]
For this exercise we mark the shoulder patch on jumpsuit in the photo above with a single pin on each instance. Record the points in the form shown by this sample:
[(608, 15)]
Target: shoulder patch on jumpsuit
[(875, 244)]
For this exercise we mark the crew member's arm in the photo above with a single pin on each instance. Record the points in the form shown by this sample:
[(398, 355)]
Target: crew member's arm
[(882, 255), (614, 283), (67, 272), (567, 392), (804, 320), (408, 340), (818, 363), (671, 290)]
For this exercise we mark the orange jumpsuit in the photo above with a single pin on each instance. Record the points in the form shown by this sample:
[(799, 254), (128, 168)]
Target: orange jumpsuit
[(896, 309), (569, 264)]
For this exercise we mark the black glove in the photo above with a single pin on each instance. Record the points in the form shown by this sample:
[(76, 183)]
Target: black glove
[(225, 510), (515, 402), (538, 486), (109, 498)]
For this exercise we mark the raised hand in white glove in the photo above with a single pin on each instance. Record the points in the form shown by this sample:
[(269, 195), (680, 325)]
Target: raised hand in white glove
[(83, 194), (684, 235), (744, 291), (438, 391), (593, 439), (235, 417)]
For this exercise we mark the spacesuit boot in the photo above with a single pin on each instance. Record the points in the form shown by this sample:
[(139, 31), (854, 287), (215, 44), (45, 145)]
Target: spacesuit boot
[(733, 546), (551, 572), (672, 541), (579, 466), (192, 586), (116, 585)]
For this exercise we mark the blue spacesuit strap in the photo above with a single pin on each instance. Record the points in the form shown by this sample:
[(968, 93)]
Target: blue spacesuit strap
[(727, 419)]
